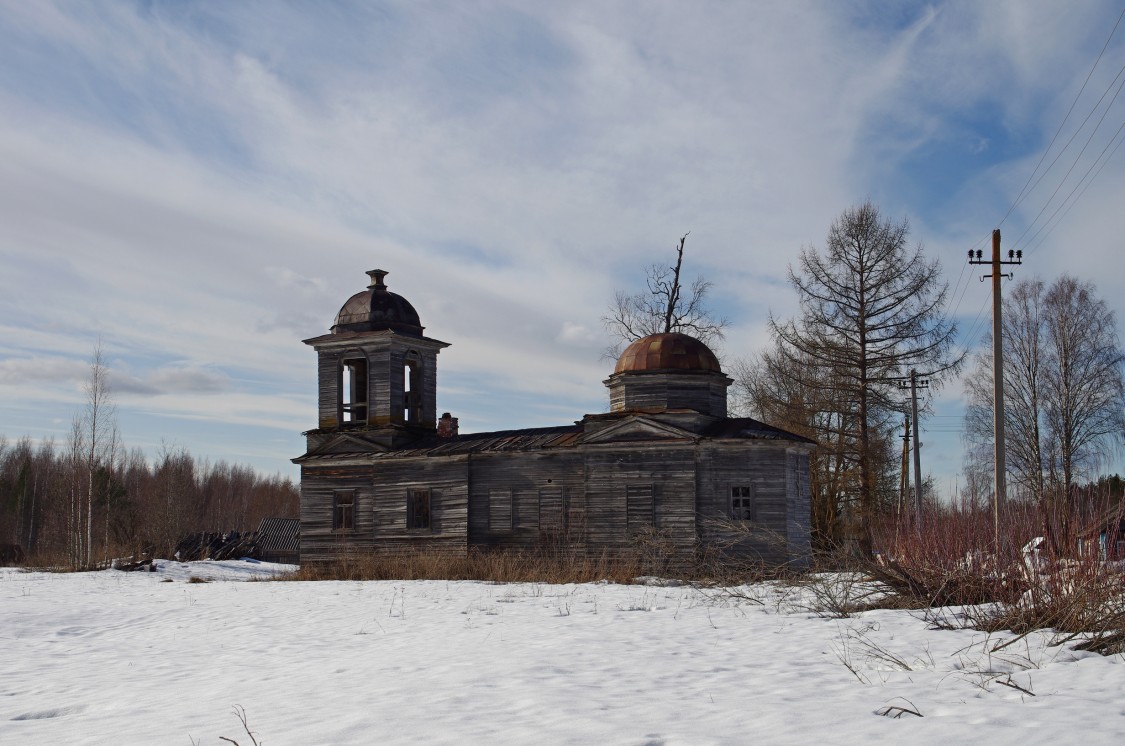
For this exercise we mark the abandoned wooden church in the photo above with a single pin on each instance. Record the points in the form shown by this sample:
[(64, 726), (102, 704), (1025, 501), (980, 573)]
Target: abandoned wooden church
[(383, 473)]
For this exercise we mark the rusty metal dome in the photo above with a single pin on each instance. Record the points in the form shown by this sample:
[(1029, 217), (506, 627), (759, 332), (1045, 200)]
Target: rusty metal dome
[(377, 309), (664, 352)]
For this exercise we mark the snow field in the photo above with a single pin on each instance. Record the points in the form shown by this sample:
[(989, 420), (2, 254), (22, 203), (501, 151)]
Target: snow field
[(113, 657)]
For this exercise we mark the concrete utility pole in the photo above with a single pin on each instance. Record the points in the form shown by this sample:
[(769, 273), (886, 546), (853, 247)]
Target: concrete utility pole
[(1014, 257)]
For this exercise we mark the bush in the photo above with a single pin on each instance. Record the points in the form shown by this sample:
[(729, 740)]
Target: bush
[(1023, 582)]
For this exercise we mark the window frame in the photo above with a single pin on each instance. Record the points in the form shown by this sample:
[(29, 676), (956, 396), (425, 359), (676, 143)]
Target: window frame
[(640, 507), (339, 514), (419, 509), (552, 510), (501, 517), (743, 505)]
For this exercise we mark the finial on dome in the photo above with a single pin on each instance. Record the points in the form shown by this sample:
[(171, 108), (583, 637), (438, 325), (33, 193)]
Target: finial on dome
[(377, 276)]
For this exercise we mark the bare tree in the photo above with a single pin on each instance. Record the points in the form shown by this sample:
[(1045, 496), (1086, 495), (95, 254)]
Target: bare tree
[(94, 443), (1085, 392), (871, 311), (1024, 328), (1064, 391), (663, 307), (777, 386)]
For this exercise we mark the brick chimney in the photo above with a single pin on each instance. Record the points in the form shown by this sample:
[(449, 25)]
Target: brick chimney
[(447, 426)]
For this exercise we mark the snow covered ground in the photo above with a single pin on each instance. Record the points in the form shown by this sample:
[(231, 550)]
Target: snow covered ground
[(130, 658)]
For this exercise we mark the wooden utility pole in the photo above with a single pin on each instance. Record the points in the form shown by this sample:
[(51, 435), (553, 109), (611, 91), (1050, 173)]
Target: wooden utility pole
[(1014, 257), (915, 384), (904, 475)]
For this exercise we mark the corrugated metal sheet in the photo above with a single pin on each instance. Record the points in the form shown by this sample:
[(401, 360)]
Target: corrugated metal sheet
[(279, 535)]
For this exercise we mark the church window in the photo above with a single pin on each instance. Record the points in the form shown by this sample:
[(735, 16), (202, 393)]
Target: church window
[(552, 509), (343, 510), (418, 509), (500, 510), (742, 503), (640, 508)]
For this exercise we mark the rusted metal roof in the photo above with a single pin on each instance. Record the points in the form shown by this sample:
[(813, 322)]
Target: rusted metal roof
[(672, 351)]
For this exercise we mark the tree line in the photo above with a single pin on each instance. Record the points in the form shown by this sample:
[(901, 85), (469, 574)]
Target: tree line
[(89, 499), (871, 309), (137, 504)]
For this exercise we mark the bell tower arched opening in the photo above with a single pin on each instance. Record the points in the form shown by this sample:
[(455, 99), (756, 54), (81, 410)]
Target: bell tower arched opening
[(352, 387), (412, 388)]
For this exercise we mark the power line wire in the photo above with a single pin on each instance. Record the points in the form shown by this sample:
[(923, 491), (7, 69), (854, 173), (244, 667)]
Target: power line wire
[(1020, 196), (1084, 183), (1078, 157)]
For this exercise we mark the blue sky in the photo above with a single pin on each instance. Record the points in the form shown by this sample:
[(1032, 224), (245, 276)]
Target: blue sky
[(202, 185)]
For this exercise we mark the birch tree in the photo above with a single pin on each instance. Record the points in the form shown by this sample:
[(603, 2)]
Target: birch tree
[(93, 445), (1064, 393), (1024, 382)]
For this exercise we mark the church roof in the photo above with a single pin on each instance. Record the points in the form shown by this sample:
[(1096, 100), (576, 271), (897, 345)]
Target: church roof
[(537, 438), (665, 352), (376, 309)]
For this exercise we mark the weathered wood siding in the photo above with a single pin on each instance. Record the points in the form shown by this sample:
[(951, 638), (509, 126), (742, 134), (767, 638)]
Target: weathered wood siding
[(546, 495), (447, 479), (610, 470), (763, 467), (319, 482), (799, 507), (661, 391), (597, 497)]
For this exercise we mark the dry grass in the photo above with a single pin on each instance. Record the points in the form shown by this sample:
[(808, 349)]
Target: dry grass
[(549, 565), (494, 566)]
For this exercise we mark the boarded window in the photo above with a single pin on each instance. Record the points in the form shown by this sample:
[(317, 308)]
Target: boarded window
[(500, 510), (353, 391), (343, 510), (552, 509), (640, 508), (418, 509), (742, 503), (525, 512)]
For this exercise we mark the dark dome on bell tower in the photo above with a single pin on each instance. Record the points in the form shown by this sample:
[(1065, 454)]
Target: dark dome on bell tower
[(376, 309)]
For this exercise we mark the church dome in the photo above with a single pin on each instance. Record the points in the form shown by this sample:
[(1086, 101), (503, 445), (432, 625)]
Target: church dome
[(376, 309), (664, 352)]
